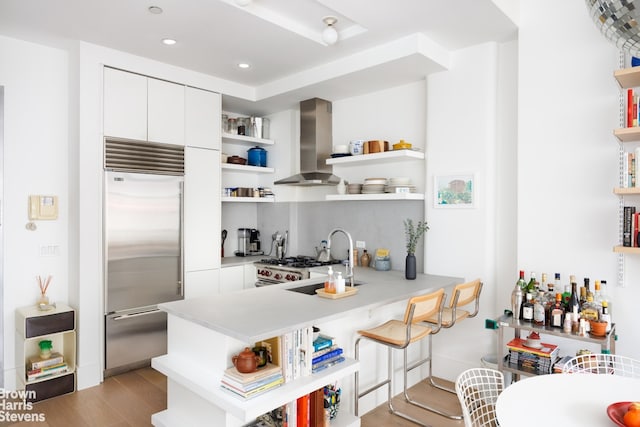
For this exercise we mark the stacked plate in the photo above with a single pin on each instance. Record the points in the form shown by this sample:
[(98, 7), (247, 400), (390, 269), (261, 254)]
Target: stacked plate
[(354, 188), (374, 185), (400, 184)]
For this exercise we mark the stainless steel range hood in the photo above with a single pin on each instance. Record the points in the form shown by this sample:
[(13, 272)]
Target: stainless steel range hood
[(315, 145)]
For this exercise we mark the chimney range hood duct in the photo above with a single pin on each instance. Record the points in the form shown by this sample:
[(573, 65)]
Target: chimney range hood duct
[(315, 145)]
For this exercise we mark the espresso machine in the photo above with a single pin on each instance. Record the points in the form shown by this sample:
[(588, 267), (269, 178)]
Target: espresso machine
[(248, 242)]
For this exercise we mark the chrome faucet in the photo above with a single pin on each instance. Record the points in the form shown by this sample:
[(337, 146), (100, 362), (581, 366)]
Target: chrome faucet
[(350, 266)]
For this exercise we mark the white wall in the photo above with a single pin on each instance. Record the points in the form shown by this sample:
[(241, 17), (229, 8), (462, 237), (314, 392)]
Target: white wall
[(568, 158), (463, 130), (35, 160)]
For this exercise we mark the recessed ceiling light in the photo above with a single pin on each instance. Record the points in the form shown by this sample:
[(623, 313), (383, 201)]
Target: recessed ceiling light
[(169, 42), (155, 10), (244, 65)]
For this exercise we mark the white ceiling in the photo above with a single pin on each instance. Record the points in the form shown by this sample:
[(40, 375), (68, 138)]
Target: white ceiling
[(382, 42)]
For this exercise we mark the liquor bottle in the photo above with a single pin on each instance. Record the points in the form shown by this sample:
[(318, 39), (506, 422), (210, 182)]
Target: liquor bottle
[(531, 286), (566, 296), (543, 282), (527, 308), (516, 297), (557, 313), (605, 314), (597, 298), (538, 309), (574, 304), (588, 311), (552, 289), (587, 288)]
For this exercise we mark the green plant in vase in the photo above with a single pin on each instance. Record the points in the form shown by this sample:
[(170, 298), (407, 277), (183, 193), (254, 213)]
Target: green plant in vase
[(413, 233)]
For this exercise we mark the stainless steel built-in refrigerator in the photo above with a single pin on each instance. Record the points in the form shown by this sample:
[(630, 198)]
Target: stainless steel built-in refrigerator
[(143, 261)]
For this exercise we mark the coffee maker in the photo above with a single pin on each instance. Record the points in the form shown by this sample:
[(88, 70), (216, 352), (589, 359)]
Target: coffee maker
[(248, 242)]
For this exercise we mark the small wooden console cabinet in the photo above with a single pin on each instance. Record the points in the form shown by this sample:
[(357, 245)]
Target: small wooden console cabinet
[(33, 326)]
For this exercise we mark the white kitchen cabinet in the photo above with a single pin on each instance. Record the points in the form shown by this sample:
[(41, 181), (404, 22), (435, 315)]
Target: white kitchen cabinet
[(165, 112), (142, 108), (201, 209), (125, 104), (203, 283), (202, 118), (231, 279)]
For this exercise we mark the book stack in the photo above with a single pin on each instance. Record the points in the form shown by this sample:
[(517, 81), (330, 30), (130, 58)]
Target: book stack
[(560, 363), (534, 360), (38, 368), (325, 354), (254, 383)]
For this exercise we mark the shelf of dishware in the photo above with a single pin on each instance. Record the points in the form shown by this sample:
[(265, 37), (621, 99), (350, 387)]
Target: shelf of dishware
[(383, 157), (246, 168), (375, 196), (243, 139), (205, 382)]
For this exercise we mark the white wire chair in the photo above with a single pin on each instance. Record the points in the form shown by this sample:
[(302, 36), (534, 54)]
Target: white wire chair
[(612, 364), (478, 390)]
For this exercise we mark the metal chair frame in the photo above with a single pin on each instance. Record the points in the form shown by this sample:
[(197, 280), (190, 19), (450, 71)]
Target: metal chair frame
[(409, 321), (478, 390), (448, 323), (603, 363)]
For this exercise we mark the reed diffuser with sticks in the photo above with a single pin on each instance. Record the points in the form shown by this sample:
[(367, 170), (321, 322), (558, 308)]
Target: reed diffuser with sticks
[(43, 301)]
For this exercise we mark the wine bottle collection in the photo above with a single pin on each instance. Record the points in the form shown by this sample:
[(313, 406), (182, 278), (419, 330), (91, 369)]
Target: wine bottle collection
[(544, 303)]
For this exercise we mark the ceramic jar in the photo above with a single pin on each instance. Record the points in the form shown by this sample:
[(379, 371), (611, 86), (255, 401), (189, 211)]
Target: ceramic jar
[(246, 362)]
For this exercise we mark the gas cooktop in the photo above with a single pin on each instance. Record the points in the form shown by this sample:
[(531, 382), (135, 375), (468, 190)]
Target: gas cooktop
[(300, 261)]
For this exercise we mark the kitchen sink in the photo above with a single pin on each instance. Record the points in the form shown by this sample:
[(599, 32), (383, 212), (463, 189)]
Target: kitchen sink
[(311, 289)]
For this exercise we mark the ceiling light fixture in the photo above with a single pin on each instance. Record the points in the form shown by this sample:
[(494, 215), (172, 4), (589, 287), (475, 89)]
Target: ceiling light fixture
[(329, 34), (619, 22), (244, 65), (156, 10), (169, 42)]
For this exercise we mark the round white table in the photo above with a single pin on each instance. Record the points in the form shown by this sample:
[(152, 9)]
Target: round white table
[(564, 400)]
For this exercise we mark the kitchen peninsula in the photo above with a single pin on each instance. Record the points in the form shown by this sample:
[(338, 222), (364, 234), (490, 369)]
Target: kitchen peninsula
[(204, 333)]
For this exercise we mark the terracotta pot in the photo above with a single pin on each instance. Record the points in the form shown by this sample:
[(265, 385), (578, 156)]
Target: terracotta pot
[(246, 362), (598, 328)]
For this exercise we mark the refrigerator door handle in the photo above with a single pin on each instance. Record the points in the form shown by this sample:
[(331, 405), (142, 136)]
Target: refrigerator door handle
[(132, 315), (181, 263)]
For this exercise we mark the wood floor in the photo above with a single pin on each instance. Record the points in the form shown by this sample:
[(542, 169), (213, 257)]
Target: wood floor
[(129, 399)]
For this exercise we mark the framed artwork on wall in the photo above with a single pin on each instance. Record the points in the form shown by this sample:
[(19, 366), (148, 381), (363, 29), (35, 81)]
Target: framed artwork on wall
[(454, 191)]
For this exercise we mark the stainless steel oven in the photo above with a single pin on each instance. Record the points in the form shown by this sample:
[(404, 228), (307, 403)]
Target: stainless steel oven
[(271, 271)]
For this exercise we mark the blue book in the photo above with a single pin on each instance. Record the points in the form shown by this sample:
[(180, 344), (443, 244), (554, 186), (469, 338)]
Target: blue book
[(322, 342), (327, 363), (332, 353)]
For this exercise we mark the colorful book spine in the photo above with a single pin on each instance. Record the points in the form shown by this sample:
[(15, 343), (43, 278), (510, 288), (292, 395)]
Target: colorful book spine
[(328, 363), (326, 356), (627, 224), (54, 359), (321, 343)]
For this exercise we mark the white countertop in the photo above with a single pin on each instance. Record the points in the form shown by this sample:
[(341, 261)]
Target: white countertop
[(230, 261), (259, 313)]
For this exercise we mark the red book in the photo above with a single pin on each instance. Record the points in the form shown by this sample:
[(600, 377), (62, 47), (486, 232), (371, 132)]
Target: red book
[(636, 229), (302, 411), (629, 108)]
